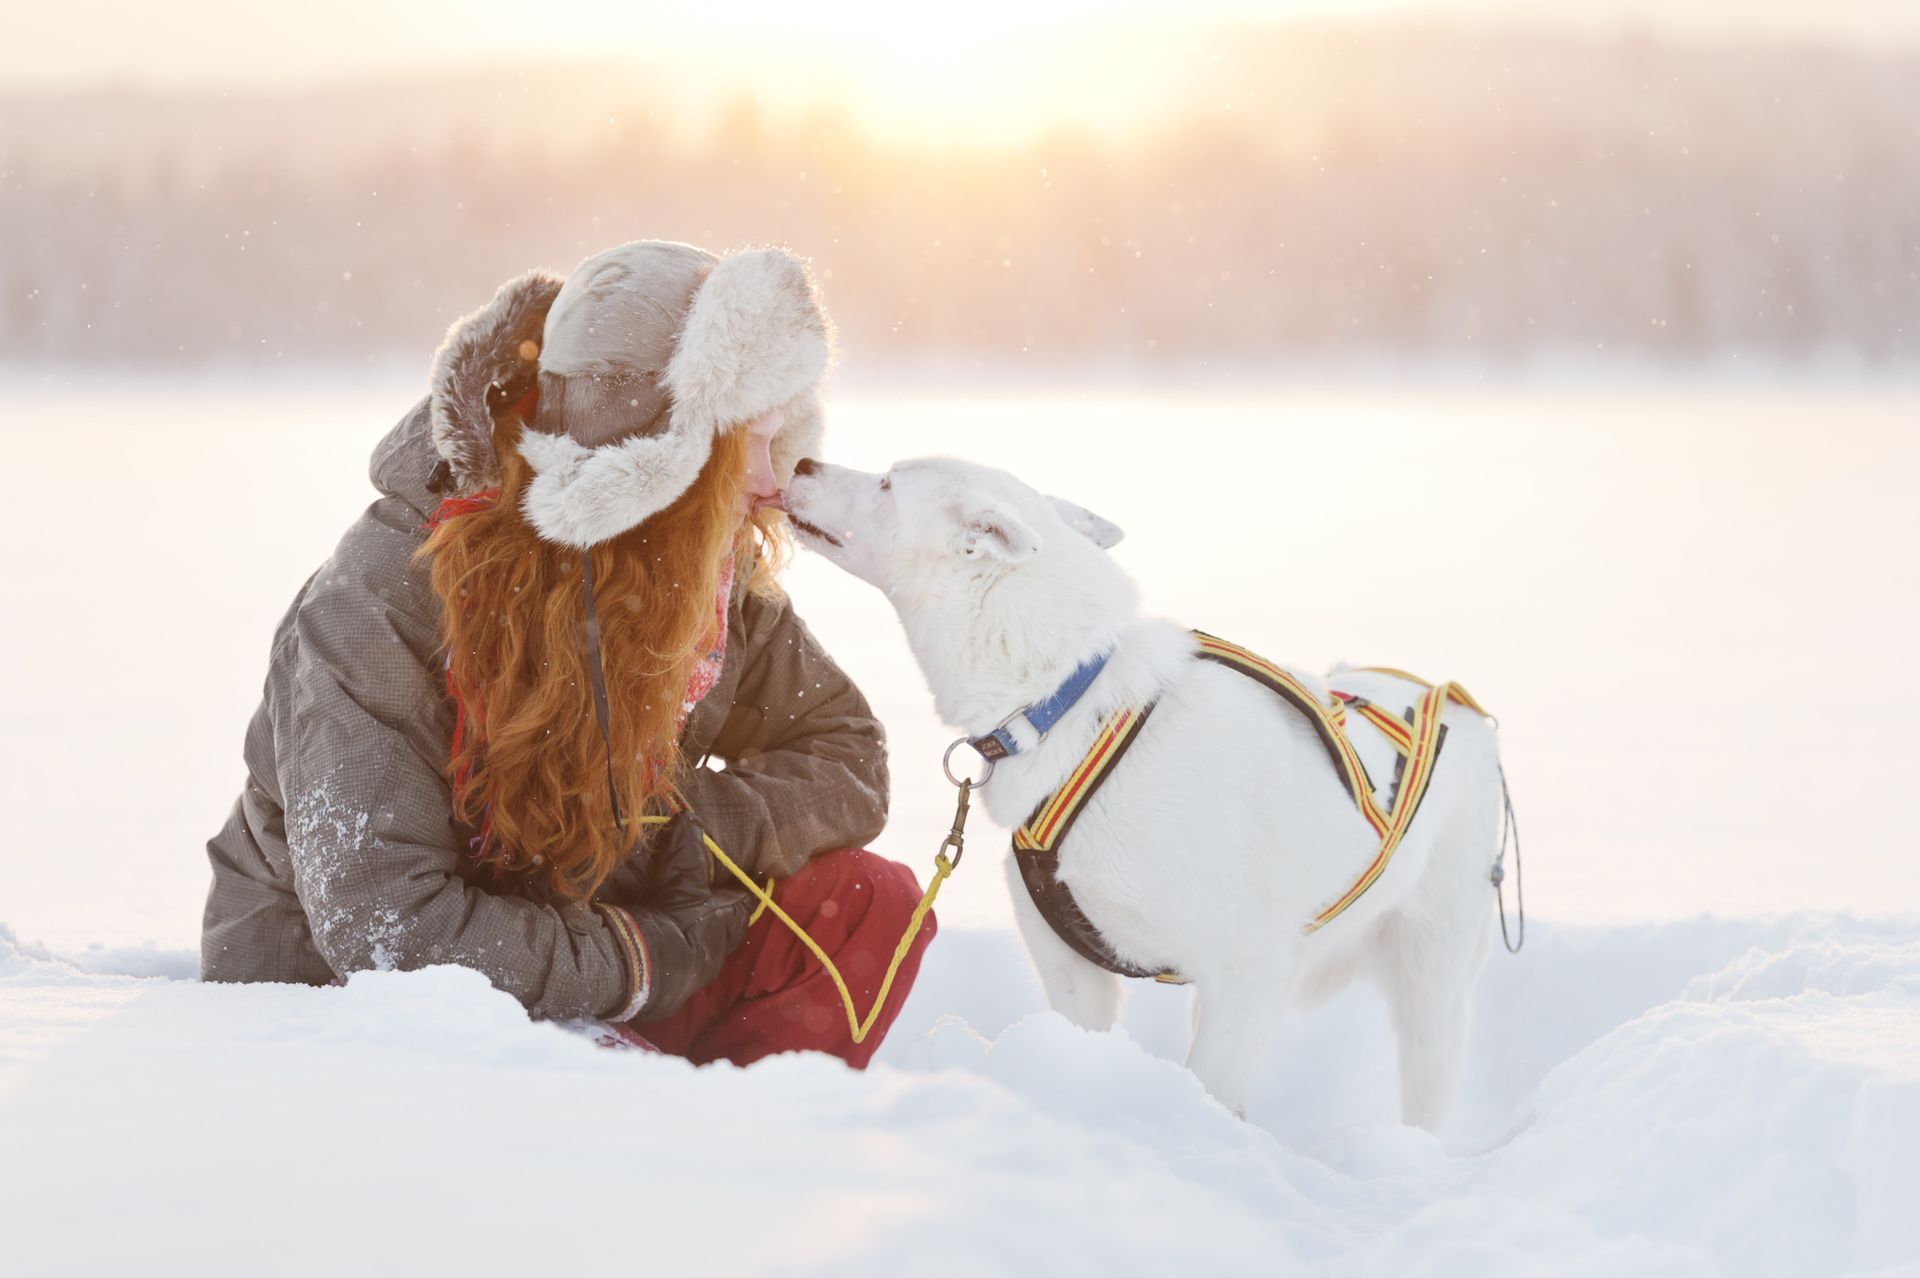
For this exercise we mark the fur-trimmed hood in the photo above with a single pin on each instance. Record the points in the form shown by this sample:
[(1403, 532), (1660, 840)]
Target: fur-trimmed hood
[(752, 338)]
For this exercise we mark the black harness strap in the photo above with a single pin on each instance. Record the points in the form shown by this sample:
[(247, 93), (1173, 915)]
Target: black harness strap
[(1040, 866), (1040, 871), (1292, 698)]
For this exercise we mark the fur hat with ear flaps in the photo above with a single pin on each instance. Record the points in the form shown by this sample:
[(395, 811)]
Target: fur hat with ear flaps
[(641, 357)]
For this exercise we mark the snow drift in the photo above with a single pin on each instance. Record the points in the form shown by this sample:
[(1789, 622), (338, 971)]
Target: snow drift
[(1685, 1098)]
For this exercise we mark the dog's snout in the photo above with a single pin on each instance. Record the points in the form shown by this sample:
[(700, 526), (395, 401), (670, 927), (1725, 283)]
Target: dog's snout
[(805, 466)]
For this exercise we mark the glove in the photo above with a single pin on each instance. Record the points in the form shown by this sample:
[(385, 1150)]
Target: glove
[(679, 868), (686, 947), (689, 926)]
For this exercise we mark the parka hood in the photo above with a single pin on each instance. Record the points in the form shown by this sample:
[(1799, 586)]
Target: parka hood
[(405, 464)]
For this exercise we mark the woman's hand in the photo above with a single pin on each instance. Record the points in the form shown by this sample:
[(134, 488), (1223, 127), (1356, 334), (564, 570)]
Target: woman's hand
[(687, 947), (689, 926), (679, 868)]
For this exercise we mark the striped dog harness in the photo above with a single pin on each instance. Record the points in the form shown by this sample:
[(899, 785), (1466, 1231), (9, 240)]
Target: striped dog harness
[(1415, 738)]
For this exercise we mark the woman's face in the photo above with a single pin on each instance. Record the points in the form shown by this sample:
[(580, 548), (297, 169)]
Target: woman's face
[(763, 489)]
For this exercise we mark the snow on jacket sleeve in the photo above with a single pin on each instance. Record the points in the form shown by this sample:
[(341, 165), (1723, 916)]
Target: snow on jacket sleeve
[(806, 760), (359, 731)]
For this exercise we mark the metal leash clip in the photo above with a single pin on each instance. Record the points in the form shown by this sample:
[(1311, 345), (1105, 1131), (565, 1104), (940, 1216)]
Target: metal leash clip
[(956, 839)]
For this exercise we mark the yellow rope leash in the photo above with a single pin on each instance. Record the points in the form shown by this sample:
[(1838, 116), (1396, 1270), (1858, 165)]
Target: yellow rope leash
[(942, 867)]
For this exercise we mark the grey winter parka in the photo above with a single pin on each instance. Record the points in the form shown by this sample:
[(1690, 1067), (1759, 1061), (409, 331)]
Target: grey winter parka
[(341, 853)]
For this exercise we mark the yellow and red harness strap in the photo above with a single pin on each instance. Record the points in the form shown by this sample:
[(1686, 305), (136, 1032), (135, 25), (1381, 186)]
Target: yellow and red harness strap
[(1455, 693), (1034, 845), (1331, 727), (1417, 740), (1420, 758), (1398, 733), (1049, 823)]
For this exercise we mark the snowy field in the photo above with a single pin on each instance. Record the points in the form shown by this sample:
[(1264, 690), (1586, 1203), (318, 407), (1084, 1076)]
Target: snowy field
[(1693, 609), (1692, 1098)]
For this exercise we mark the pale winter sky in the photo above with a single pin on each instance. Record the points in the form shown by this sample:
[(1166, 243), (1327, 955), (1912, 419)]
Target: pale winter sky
[(1004, 69), (221, 43)]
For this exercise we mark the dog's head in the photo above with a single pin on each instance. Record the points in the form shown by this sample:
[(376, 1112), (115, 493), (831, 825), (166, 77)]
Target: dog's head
[(932, 522)]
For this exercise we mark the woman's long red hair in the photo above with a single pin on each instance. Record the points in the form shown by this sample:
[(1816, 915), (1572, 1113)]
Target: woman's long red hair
[(528, 765)]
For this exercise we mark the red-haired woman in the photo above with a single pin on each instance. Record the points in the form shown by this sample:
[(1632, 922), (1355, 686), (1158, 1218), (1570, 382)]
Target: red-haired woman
[(562, 604)]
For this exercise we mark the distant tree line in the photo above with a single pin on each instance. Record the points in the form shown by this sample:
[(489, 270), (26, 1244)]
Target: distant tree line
[(1437, 191)]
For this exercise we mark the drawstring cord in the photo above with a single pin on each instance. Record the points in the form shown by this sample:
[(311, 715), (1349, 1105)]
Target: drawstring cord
[(599, 681), (857, 1026)]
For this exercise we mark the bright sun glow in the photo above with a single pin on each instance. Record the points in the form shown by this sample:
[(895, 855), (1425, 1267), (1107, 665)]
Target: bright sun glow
[(992, 70), (989, 71), (999, 72)]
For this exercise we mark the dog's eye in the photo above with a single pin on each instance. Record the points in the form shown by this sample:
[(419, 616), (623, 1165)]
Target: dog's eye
[(886, 483)]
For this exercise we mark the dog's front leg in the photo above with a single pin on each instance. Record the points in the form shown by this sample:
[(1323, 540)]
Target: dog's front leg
[(1088, 996), (1234, 1016)]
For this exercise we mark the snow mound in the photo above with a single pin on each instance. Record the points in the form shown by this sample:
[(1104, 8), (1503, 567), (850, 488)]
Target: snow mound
[(1843, 969), (1708, 1097)]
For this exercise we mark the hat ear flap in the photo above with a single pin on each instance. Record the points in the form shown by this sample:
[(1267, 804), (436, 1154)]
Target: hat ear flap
[(488, 361), (755, 338), (519, 390), (801, 435), (580, 496)]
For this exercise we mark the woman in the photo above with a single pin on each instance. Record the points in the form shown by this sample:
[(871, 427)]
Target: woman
[(560, 606)]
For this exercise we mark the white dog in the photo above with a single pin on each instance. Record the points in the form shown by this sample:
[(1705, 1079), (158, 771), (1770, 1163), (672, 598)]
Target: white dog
[(1227, 830)]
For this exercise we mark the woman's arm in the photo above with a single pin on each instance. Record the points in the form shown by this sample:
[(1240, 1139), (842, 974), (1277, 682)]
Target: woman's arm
[(359, 731), (806, 760)]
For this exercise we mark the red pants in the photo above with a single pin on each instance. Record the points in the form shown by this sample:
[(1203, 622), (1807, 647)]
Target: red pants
[(773, 995)]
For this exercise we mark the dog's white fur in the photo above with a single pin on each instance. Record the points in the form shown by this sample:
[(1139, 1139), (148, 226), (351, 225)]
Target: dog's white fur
[(1224, 830)]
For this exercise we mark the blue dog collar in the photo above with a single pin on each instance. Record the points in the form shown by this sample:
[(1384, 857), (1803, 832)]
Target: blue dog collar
[(999, 744)]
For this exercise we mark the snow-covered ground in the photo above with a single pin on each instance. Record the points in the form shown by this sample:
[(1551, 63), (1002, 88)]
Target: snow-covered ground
[(1681, 1098), (1692, 608)]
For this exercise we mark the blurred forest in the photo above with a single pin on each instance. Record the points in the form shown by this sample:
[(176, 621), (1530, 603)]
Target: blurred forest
[(1323, 191)]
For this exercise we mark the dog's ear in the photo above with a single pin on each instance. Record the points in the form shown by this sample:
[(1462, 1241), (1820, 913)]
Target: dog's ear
[(1103, 533), (997, 531)]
